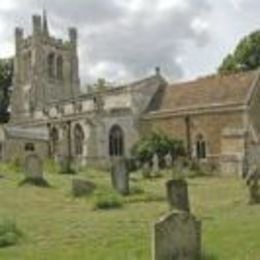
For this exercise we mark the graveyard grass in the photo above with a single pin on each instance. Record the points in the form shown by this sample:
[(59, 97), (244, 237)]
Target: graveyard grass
[(57, 226)]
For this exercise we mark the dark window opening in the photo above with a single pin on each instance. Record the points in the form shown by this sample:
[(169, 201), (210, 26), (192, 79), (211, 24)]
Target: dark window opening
[(29, 147), (201, 152), (116, 141)]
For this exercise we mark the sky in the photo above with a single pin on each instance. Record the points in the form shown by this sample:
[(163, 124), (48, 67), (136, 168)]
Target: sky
[(124, 40)]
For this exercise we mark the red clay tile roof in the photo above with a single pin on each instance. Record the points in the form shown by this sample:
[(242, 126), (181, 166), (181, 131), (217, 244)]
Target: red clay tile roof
[(212, 90)]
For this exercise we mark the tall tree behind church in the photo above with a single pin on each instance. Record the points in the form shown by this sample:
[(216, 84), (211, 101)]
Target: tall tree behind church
[(6, 75), (245, 57)]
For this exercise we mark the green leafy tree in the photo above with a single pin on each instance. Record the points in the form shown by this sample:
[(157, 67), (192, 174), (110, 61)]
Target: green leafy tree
[(157, 142), (245, 57), (6, 75)]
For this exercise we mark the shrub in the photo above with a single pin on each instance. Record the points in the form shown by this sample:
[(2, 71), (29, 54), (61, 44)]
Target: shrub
[(108, 201), (157, 142), (9, 233)]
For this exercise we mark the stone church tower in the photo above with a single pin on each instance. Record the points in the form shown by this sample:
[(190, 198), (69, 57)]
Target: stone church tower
[(46, 70)]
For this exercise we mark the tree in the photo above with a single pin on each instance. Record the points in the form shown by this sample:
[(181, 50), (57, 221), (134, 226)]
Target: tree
[(6, 75), (157, 142), (245, 57)]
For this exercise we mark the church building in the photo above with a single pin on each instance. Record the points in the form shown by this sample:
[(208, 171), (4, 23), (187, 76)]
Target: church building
[(215, 116)]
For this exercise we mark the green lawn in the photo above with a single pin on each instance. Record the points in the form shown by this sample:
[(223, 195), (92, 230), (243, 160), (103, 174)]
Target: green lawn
[(57, 226)]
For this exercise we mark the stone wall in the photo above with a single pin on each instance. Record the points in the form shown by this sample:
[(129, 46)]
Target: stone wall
[(15, 149), (210, 125)]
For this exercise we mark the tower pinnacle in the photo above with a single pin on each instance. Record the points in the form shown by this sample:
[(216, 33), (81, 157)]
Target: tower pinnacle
[(45, 23)]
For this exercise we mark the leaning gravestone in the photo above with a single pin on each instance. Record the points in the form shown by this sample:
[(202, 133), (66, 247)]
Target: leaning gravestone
[(120, 176), (177, 194), (156, 167), (177, 236)]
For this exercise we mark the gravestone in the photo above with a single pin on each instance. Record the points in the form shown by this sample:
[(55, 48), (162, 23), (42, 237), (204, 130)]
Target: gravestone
[(120, 176), (253, 185), (156, 166), (146, 171), (168, 160), (177, 236), (82, 187), (33, 167), (65, 165), (33, 170), (177, 195)]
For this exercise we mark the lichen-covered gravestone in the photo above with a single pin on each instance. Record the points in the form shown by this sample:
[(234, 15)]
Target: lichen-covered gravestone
[(120, 176), (177, 194), (177, 236)]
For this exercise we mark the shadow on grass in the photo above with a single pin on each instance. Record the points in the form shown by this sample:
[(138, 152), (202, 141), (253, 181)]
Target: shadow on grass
[(208, 256), (38, 182)]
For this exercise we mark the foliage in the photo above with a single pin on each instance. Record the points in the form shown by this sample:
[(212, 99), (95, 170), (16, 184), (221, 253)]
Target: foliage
[(245, 57), (6, 75), (9, 233), (158, 143), (108, 200)]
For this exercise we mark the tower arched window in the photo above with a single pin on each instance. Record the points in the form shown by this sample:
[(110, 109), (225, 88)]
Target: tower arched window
[(51, 65), (60, 67), (54, 136), (78, 139), (201, 149), (116, 141)]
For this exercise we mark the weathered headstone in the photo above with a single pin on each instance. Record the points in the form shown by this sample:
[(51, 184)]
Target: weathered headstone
[(65, 165), (146, 170), (177, 236), (177, 195), (82, 187), (120, 176), (33, 167), (168, 160), (253, 184), (33, 170), (156, 166)]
